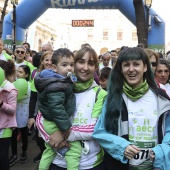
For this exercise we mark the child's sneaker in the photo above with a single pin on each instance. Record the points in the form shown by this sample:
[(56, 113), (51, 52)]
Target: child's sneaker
[(23, 158), (13, 159)]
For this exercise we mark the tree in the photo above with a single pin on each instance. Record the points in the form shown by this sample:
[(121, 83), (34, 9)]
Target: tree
[(2, 16), (142, 29)]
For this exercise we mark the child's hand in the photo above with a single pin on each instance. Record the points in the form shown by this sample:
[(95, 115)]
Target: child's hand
[(63, 144), (66, 133), (55, 139)]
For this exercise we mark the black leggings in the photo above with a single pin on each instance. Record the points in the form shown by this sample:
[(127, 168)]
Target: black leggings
[(4, 151), (40, 142), (24, 138)]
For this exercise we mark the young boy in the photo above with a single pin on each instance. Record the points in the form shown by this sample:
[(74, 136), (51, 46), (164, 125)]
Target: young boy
[(57, 104), (104, 76)]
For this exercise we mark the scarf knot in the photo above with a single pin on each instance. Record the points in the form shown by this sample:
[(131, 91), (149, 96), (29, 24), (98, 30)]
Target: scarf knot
[(82, 86)]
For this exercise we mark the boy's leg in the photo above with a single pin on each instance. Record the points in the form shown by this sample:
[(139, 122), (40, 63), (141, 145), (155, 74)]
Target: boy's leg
[(48, 154), (47, 158), (49, 127), (73, 155)]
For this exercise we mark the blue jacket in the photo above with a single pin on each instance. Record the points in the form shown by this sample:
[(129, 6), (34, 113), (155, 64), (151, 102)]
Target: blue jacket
[(115, 144)]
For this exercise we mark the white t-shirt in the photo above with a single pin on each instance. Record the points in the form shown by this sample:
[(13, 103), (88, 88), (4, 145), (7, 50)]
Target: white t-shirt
[(19, 64), (102, 66), (2, 57), (142, 116)]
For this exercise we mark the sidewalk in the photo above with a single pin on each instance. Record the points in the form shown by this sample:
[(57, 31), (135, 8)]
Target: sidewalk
[(32, 152)]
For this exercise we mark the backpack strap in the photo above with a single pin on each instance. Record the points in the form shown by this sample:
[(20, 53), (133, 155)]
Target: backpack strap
[(98, 90)]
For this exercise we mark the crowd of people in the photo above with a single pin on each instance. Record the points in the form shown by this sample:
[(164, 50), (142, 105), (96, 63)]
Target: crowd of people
[(89, 112)]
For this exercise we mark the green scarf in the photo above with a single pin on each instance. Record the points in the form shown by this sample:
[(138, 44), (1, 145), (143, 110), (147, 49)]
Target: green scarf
[(82, 86), (136, 93)]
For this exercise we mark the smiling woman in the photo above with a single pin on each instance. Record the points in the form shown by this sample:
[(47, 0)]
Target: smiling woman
[(89, 100), (128, 127), (162, 74)]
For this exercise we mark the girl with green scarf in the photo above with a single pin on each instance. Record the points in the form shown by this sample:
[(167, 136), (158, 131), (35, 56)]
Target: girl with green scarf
[(89, 101), (134, 126)]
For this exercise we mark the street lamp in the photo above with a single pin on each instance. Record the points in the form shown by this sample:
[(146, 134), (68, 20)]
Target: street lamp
[(14, 3), (148, 4)]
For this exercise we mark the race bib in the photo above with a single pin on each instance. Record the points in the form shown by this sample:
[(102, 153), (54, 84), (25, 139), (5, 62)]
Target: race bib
[(143, 155)]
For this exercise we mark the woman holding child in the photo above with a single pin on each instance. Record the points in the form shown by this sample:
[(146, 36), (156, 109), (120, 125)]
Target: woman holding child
[(89, 101)]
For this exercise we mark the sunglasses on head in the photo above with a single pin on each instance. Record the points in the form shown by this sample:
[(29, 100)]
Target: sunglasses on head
[(18, 51), (154, 64)]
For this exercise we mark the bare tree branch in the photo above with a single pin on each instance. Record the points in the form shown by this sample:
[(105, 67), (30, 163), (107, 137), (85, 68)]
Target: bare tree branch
[(2, 17), (142, 30)]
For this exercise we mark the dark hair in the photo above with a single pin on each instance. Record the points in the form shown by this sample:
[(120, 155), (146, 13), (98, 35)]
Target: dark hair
[(115, 85), (8, 67), (60, 53), (168, 52), (85, 50), (113, 60), (26, 70), (141, 45), (104, 73), (114, 51), (160, 55), (162, 61), (29, 51), (85, 45), (100, 56), (36, 59), (26, 44)]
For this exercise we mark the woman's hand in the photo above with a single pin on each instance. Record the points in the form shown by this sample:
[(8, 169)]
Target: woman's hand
[(55, 139), (131, 151), (31, 121)]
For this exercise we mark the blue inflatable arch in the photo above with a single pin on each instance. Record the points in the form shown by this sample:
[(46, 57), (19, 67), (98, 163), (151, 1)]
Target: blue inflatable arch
[(29, 10)]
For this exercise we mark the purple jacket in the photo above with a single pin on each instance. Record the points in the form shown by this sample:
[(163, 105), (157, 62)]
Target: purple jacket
[(8, 94)]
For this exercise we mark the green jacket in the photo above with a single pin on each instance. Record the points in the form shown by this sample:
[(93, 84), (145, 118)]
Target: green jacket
[(56, 100), (8, 57)]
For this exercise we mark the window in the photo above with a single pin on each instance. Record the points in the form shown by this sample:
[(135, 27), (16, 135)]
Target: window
[(105, 34), (90, 34), (119, 35), (134, 35)]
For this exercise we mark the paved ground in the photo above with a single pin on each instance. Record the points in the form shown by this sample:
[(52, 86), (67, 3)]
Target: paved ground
[(32, 152)]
